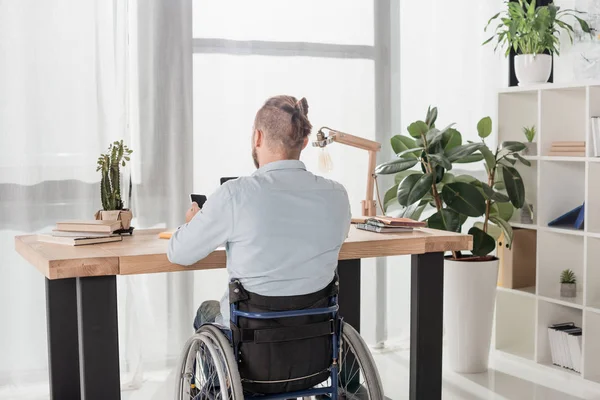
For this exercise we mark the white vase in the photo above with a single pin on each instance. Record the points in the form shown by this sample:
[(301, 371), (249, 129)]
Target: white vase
[(469, 300), (533, 68)]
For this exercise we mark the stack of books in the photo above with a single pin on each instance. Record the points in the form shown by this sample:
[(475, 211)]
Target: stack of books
[(79, 233), (568, 149), (595, 136), (387, 224), (565, 345)]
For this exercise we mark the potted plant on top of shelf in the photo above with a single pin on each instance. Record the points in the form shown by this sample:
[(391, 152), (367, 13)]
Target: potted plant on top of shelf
[(109, 165), (532, 31), (470, 280)]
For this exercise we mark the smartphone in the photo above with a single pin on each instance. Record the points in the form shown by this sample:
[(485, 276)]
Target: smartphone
[(198, 198)]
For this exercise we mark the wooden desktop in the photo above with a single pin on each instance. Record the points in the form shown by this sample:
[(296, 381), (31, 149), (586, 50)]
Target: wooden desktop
[(82, 301)]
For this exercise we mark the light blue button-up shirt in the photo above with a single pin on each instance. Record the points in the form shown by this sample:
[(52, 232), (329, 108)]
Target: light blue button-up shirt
[(282, 228)]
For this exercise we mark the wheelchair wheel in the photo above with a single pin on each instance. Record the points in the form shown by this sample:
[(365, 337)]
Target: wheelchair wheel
[(208, 370), (358, 376)]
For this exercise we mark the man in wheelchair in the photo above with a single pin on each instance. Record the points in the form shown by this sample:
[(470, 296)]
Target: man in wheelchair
[(283, 228)]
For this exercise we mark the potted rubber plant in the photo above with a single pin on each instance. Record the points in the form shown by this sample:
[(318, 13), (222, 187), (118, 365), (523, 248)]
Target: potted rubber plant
[(568, 284), (447, 201), (533, 32), (109, 165)]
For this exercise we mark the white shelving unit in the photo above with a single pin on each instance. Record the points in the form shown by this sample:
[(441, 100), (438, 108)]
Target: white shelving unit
[(555, 185)]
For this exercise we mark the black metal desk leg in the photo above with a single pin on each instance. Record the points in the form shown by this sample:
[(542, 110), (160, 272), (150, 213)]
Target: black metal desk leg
[(426, 326), (98, 338), (63, 346), (349, 298)]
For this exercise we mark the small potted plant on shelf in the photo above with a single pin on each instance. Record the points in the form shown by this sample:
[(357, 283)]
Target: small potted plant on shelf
[(109, 165), (533, 32), (530, 145), (568, 284), (470, 280)]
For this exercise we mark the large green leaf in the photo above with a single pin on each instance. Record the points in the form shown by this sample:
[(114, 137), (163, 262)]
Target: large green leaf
[(490, 159), (395, 166), (462, 151), (503, 211), (413, 211), (493, 195), (464, 198), (465, 178), (441, 160), (506, 228), (433, 136), (399, 177), (401, 143), (418, 128), (484, 127), (432, 114), (470, 159), (483, 244), (492, 230), (413, 188), (523, 160), (513, 146), (451, 139), (445, 220), (390, 196), (410, 153), (514, 186)]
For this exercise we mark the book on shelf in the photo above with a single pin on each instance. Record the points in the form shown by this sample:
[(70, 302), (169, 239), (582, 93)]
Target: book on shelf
[(79, 241), (568, 149), (565, 345), (95, 226)]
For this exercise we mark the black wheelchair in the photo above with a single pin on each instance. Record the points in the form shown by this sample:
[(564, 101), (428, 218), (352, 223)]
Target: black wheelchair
[(278, 348)]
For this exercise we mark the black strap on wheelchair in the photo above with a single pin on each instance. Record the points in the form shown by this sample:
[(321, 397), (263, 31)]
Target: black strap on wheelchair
[(283, 334)]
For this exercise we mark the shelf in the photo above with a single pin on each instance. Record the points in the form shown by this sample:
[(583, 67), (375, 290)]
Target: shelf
[(549, 314), (527, 291), (563, 231), (523, 226), (563, 158), (574, 302), (593, 309), (549, 86), (557, 368), (519, 351)]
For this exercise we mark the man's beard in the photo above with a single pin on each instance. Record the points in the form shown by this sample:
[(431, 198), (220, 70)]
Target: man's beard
[(255, 157)]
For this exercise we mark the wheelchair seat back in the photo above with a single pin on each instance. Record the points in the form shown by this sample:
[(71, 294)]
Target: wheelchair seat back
[(283, 354)]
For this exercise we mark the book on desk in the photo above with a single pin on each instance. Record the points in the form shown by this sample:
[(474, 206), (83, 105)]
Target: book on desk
[(79, 233)]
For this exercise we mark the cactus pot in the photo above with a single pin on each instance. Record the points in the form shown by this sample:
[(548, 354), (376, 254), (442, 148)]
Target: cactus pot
[(125, 216)]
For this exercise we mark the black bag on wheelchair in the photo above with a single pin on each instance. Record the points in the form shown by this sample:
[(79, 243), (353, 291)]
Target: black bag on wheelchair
[(284, 354)]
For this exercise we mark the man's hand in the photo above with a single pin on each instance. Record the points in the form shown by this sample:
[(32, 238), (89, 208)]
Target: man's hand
[(191, 212)]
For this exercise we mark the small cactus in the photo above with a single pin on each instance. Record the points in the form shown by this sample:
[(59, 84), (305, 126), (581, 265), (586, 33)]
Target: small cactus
[(568, 276), (109, 165)]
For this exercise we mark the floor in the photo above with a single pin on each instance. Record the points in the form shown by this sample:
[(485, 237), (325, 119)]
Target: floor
[(507, 379)]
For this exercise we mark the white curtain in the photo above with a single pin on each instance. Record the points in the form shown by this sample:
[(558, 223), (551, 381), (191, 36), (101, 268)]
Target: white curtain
[(74, 76)]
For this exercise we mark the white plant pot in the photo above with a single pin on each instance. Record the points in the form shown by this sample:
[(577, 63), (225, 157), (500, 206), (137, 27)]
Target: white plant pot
[(469, 300), (533, 68)]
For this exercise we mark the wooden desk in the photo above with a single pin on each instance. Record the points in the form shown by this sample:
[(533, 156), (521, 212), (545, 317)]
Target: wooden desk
[(81, 299)]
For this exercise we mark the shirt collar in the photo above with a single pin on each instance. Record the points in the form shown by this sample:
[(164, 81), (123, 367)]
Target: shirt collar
[(279, 165)]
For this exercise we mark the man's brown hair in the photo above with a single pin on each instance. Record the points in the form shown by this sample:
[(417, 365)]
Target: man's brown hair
[(284, 122)]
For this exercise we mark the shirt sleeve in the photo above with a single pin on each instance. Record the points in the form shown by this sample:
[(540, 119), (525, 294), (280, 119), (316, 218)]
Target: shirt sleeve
[(210, 228)]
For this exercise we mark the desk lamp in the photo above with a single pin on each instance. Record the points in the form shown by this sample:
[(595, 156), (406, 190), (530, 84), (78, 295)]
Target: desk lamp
[(326, 136)]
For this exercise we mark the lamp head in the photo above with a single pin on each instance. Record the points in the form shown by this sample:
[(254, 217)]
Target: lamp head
[(322, 139)]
